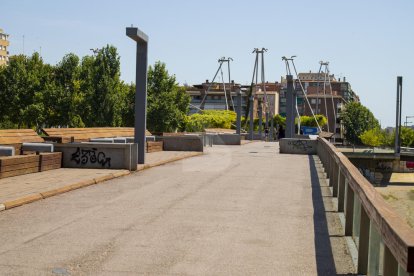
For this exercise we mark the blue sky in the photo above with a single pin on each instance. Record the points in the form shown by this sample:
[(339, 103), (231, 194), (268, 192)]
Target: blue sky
[(368, 42)]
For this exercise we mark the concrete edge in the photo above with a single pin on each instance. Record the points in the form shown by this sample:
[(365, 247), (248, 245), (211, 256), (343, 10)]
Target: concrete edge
[(22, 200), (173, 159), (67, 188)]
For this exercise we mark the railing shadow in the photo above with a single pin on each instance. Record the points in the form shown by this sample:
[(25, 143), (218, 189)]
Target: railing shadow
[(325, 263)]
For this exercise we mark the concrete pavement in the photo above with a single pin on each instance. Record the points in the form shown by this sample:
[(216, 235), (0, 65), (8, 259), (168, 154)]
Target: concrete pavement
[(18, 190), (233, 211)]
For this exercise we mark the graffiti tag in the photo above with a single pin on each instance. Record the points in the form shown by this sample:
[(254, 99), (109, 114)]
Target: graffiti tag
[(85, 156), (300, 145)]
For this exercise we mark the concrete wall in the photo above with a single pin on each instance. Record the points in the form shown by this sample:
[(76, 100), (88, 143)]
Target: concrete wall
[(182, 143), (226, 139), (298, 146), (99, 155)]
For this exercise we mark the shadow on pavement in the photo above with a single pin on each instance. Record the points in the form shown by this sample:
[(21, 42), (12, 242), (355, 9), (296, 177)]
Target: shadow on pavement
[(325, 263)]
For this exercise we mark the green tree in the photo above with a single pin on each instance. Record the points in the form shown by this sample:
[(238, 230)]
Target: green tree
[(168, 103), (373, 137), (22, 86), (102, 88), (407, 137), (356, 119)]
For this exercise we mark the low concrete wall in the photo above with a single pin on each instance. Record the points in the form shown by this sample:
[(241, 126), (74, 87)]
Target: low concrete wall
[(99, 155), (226, 139), (298, 146), (182, 143)]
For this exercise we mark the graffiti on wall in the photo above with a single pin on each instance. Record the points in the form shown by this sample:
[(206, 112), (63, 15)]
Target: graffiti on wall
[(91, 156), (302, 145)]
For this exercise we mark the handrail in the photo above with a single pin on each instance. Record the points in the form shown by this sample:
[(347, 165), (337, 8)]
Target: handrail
[(396, 234)]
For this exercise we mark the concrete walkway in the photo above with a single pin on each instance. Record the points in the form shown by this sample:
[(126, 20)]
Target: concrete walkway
[(240, 210), (18, 190)]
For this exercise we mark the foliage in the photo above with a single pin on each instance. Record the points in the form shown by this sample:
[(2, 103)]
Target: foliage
[(357, 119), (377, 137), (85, 92), (168, 103), (309, 121), (210, 119), (372, 137), (407, 137)]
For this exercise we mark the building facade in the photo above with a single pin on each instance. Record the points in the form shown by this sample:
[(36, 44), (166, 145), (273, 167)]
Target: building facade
[(326, 95), (222, 96), (4, 51)]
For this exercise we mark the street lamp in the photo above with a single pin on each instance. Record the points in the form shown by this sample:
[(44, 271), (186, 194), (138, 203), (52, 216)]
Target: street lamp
[(141, 89)]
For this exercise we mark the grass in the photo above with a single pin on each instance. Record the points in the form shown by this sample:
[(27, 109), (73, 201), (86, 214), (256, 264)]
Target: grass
[(391, 197), (411, 195)]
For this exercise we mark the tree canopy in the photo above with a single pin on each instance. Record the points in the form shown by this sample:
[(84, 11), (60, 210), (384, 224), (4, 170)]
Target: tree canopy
[(357, 119), (168, 103), (85, 92)]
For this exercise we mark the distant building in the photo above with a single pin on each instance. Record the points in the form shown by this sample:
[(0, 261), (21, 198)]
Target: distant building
[(323, 98), (4, 44), (215, 98)]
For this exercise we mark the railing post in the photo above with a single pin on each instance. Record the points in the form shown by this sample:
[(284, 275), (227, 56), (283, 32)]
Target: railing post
[(341, 190), (335, 178), (374, 250), (349, 209), (364, 238), (330, 169), (390, 263)]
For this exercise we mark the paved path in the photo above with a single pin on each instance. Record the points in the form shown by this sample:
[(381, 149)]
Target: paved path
[(29, 187), (235, 210)]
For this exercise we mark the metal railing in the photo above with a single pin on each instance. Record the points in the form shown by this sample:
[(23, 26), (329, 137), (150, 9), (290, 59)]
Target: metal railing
[(384, 240)]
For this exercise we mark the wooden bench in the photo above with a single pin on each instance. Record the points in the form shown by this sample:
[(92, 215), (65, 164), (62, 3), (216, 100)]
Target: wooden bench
[(66, 135), (29, 162), (154, 146), (16, 137)]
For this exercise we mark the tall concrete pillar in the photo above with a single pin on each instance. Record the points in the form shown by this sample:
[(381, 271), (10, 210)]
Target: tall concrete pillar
[(239, 111), (260, 112), (141, 89), (290, 108), (251, 125)]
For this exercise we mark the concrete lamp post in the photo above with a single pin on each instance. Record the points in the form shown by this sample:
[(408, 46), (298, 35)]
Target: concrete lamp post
[(141, 89)]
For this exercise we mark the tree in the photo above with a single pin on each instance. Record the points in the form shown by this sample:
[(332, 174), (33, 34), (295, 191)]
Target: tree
[(356, 119), (102, 88), (168, 103), (373, 137)]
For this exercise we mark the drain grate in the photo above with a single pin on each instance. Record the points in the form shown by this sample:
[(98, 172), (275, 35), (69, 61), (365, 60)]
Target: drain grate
[(60, 271)]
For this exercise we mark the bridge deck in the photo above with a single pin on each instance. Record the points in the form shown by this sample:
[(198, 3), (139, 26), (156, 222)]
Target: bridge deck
[(235, 210)]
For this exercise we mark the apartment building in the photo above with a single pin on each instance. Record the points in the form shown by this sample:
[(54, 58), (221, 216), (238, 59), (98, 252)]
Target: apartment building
[(4, 44)]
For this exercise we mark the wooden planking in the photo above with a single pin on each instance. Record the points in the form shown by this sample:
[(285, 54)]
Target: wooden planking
[(50, 161), (18, 136), (397, 235), (18, 159), (154, 146), (50, 156), (85, 134), (19, 166), (19, 172)]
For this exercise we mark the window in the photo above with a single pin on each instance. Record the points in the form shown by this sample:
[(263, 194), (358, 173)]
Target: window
[(313, 101)]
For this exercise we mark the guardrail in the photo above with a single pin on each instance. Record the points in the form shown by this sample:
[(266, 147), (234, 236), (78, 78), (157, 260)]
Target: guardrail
[(368, 218)]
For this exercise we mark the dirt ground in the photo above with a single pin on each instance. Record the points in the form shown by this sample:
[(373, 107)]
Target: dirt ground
[(400, 195)]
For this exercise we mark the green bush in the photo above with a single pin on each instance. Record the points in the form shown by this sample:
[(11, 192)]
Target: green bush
[(377, 137), (373, 137), (210, 119)]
